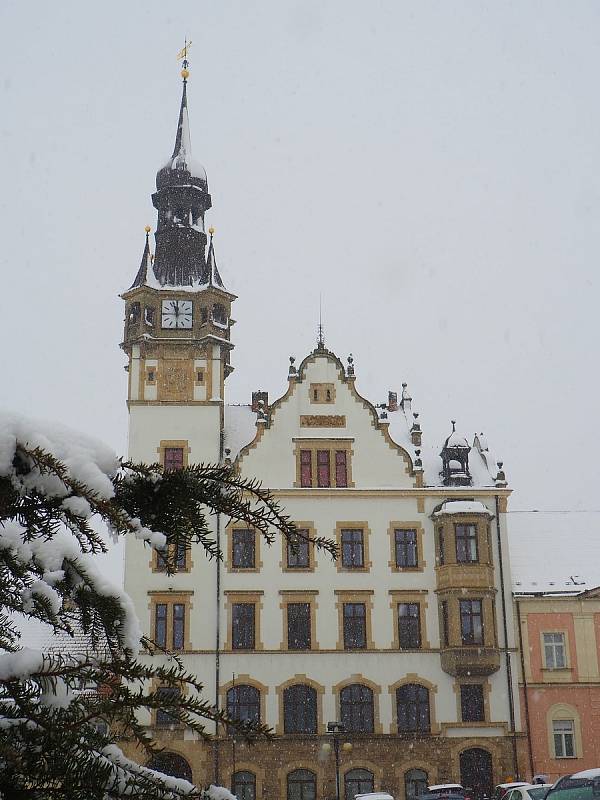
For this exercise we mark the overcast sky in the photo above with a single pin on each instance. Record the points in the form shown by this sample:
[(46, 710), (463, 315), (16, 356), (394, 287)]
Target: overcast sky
[(431, 169)]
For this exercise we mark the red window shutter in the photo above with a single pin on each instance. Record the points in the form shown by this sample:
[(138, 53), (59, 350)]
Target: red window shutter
[(173, 458), (305, 468), (323, 468), (341, 474)]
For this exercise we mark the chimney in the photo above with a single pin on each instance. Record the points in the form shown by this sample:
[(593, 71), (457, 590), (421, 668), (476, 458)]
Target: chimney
[(392, 401)]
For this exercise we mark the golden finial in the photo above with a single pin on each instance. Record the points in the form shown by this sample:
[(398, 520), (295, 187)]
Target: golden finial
[(147, 228), (185, 73), (211, 230)]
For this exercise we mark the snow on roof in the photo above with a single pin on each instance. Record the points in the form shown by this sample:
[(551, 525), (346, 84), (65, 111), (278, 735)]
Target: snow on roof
[(240, 427), (456, 440), (554, 553), (462, 507)]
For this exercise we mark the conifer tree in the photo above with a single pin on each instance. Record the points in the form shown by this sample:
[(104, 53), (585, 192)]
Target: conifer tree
[(57, 740)]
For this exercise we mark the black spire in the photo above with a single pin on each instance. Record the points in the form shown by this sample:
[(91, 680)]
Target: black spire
[(142, 273), (211, 274), (181, 200)]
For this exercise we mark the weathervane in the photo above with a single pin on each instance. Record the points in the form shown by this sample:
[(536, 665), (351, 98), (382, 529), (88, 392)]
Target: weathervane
[(320, 340), (183, 53)]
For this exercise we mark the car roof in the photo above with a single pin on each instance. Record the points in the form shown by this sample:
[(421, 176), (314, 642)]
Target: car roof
[(587, 773), (444, 786), (373, 796), (513, 785)]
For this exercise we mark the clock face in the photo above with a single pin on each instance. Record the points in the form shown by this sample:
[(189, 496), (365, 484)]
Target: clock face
[(176, 313)]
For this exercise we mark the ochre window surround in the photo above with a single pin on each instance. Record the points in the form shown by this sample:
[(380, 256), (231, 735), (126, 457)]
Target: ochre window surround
[(308, 596), (412, 677), (344, 596), (173, 443), (246, 680), (171, 599), (253, 597), (366, 531), (360, 679), (302, 680), (548, 670), (309, 527), (257, 542), (324, 445), (406, 525), (322, 393), (487, 688), (157, 565), (418, 596)]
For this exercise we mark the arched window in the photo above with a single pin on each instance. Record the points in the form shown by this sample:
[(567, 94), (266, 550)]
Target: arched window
[(476, 773), (299, 709), (357, 781), (412, 702), (356, 708), (243, 785), (415, 783), (301, 785), (171, 764), (243, 703)]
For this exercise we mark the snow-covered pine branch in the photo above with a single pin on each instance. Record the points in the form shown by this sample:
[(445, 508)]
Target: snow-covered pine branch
[(61, 492)]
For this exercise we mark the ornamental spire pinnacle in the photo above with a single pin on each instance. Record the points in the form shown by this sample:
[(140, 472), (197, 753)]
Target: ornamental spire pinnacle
[(145, 264), (211, 276)]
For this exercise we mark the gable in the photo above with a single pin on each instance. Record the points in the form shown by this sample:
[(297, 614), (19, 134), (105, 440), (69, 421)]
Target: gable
[(322, 412)]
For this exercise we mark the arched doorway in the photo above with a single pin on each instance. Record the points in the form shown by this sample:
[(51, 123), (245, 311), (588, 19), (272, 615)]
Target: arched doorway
[(476, 772), (171, 764)]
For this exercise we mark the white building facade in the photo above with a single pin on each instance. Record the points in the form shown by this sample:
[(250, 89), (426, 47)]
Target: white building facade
[(407, 639)]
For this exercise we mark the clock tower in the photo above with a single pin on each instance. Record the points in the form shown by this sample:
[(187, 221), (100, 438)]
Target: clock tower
[(178, 321)]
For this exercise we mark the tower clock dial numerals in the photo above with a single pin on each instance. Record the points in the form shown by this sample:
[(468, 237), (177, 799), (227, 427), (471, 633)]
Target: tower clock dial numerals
[(176, 314)]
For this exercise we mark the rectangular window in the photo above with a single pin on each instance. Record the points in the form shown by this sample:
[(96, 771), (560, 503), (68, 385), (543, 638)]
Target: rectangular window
[(471, 621), (564, 738), (466, 544), (242, 626), (323, 468), (181, 552), (160, 626), (445, 633), (554, 651), (305, 468), (169, 694), (353, 550), (298, 625), (405, 542), (177, 554), (243, 549), (178, 626), (298, 554), (355, 626), (472, 706), (409, 626), (173, 458), (441, 546), (341, 472)]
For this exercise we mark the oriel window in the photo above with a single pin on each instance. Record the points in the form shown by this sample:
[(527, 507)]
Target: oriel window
[(471, 621), (466, 544)]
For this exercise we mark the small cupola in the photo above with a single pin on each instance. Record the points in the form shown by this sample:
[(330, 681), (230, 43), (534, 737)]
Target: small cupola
[(455, 460)]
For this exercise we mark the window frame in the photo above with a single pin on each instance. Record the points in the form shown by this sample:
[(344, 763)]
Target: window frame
[(409, 634), (466, 539), (301, 722), (360, 710), (244, 625), (306, 527), (349, 608), (468, 637), (243, 548), (554, 648), (242, 795), (311, 474), (563, 734), (292, 779), (306, 643), (234, 700), (406, 553), (169, 601), (362, 784), (352, 548), (463, 701), (163, 719), (414, 780), (422, 694)]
